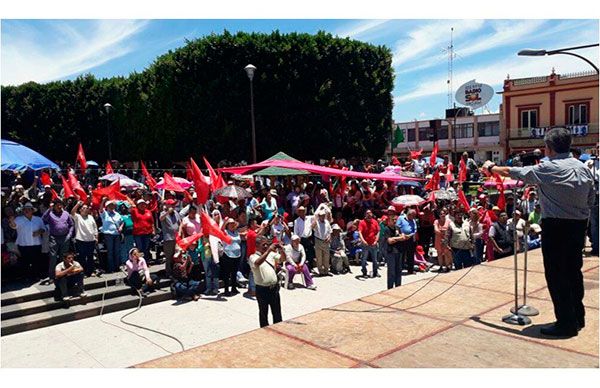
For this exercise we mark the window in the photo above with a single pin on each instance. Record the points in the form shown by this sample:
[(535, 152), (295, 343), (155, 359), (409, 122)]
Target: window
[(424, 134), (490, 128), (411, 134), (443, 132), (529, 118), (577, 114), (464, 131)]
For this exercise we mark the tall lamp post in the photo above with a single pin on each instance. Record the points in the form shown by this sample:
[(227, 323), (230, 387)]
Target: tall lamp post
[(250, 71), (541, 53), (107, 109)]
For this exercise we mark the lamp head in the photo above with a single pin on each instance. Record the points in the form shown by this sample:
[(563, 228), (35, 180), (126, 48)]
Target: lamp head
[(250, 71), (532, 53)]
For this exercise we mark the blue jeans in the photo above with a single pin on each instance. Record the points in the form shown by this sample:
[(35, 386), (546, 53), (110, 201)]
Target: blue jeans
[(126, 246), (113, 247), (462, 258), (189, 288), (251, 284), (372, 252), (394, 275), (142, 242), (211, 275)]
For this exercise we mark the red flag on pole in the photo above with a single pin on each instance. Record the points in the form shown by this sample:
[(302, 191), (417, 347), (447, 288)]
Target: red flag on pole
[(77, 188), (500, 187), (150, 181), (109, 169), (171, 184), (434, 182), (45, 179), (54, 195), (416, 154), (216, 180), (462, 171), (200, 184), (184, 243), (113, 192), (462, 199), (434, 152), (209, 226), (68, 191), (81, 159)]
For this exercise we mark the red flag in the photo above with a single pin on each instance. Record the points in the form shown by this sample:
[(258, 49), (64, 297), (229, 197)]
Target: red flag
[(68, 191), (188, 172), (500, 187), (216, 180), (462, 199), (113, 192), (54, 195), (432, 197), (209, 226), (184, 243), (81, 159), (171, 184), (200, 184), (77, 188), (434, 152), (395, 161), (150, 181), (462, 171), (109, 169), (434, 182), (45, 179), (416, 154)]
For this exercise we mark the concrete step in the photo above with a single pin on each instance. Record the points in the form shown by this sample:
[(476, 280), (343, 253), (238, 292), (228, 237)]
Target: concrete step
[(79, 311), (46, 304), (19, 292)]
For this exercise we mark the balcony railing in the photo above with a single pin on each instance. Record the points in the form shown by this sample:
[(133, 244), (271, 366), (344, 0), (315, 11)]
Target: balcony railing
[(538, 132), (529, 81), (587, 73)]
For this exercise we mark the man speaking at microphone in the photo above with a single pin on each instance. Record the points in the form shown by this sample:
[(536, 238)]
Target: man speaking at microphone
[(566, 193)]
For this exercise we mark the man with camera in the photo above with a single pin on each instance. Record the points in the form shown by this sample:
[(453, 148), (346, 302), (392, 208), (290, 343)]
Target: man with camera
[(264, 264)]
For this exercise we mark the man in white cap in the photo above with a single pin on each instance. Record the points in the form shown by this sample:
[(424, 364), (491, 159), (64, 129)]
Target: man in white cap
[(296, 263), (302, 228), (29, 229), (322, 231)]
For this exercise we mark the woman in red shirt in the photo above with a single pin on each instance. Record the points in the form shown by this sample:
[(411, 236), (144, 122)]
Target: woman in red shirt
[(143, 227)]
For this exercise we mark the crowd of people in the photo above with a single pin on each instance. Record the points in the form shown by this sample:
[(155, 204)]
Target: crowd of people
[(300, 225)]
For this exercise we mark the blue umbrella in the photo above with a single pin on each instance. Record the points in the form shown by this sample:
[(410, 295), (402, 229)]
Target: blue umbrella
[(17, 157), (585, 157), (91, 163)]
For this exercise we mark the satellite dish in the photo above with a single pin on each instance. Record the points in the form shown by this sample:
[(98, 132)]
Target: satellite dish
[(474, 94)]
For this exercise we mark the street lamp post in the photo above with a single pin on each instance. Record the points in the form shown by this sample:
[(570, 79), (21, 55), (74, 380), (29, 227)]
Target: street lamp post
[(107, 108), (541, 53), (250, 71)]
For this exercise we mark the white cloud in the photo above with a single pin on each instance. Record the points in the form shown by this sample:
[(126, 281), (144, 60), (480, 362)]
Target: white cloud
[(30, 54), (360, 28), (494, 73), (422, 114), (432, 36)]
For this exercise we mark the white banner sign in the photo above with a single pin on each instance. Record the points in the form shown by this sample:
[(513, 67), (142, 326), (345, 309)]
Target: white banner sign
[(576, 130)]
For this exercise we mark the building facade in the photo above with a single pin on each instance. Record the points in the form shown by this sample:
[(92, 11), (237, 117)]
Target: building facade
[(479, 135), (530, 106)]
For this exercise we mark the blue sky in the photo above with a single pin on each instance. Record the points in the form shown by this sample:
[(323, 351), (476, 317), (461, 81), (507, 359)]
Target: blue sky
[(46, 50)]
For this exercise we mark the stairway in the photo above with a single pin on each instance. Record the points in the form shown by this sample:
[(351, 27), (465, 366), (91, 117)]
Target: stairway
[(27, 307)]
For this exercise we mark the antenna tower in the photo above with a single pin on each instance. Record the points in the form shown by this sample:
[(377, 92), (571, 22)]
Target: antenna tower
[(451, 55)]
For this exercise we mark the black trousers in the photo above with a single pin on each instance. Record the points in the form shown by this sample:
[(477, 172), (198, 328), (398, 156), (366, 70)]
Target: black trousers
[(562, 243), (229, 266), (268, 297), (33, 264), (407, 249), (309, 249), (426, 234)]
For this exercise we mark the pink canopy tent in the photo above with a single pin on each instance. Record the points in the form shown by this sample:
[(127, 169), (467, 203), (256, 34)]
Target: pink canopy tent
[(316, 170)]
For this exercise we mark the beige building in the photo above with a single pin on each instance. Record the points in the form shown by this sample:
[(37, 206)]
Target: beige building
[(479, 135), (530, 106)]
